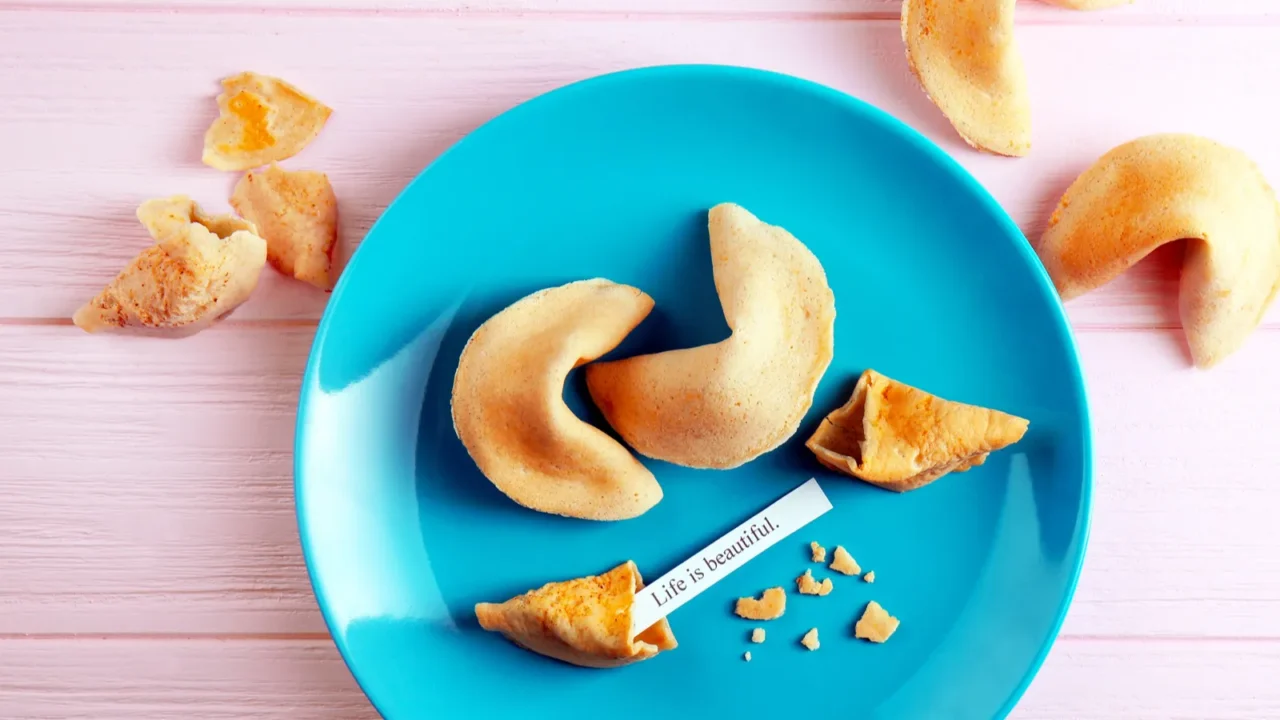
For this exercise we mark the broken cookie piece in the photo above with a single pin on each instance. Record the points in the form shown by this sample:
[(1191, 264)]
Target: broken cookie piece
[(843, 562), (810, 639), (875, 624), (201, 268), (771, 605), (817, 552), (757, 635), (808, 586), (902, 438), (870, 576), (261, 120), (585, 621), (296, 212)]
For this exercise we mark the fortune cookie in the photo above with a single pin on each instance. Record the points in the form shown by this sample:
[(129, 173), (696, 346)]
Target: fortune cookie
[(901, 438), (584, 622), (720, 405), (262, 120), (296, 212), (965, 56), (509, 410), (1160, 189), (200, 269), (967, 60)]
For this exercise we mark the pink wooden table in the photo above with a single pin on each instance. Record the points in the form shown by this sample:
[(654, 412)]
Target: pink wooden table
[(149, 566)]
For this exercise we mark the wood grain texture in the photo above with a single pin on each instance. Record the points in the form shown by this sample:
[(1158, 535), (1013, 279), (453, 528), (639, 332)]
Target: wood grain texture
[(150, 483), (1144, 11), (165, 679), (149, 564), (1181, 542), (216, 680), (149, 486), (68, 208), (1174, 680)]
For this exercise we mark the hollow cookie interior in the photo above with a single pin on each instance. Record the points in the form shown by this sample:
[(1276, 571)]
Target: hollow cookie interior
[(901, 438), (585, 621)]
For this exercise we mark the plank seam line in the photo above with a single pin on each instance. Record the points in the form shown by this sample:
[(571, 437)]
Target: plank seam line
[(303, 323), (1087, 638), (169, 637), (1046, 16), (325, 637), (260, 323), (447, 13)]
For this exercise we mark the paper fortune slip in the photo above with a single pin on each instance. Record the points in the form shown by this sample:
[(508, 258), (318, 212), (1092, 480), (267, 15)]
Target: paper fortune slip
[(727, 553)]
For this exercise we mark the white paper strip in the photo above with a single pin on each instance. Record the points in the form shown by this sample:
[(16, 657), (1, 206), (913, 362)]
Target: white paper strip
[(728, 553)]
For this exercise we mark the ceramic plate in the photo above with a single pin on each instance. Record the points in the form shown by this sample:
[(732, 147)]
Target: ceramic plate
[(613, 177)]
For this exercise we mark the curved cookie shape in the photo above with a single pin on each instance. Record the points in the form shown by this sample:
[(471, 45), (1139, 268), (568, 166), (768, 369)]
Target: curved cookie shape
[(201, 268), (965, 56), (261, 119), (1162, 188), (296, 212), (584, 622), (509, 411), (720, 405), (900, 438)]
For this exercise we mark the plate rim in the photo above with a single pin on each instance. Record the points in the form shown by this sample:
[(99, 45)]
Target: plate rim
[(751, 74)]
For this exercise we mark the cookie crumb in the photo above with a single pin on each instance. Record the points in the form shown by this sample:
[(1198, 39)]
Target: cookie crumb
[(819, 553), (757, 635), (870, 576), (747, 656), (876, 624), (810, 640), (843, 562), (808, 586), (771, 605)]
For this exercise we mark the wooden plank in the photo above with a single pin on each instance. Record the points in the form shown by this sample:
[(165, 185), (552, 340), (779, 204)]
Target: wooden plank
[(1176, 680), (68, 211), (1029, 11), (209, 679), (215, 680), (147, 486), (1181, 541)]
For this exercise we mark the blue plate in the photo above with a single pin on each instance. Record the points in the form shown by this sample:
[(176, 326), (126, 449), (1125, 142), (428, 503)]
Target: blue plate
[(612, 177)]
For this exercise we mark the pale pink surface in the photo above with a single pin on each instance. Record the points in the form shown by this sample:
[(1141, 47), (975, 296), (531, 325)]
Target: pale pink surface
[(148, 558)]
